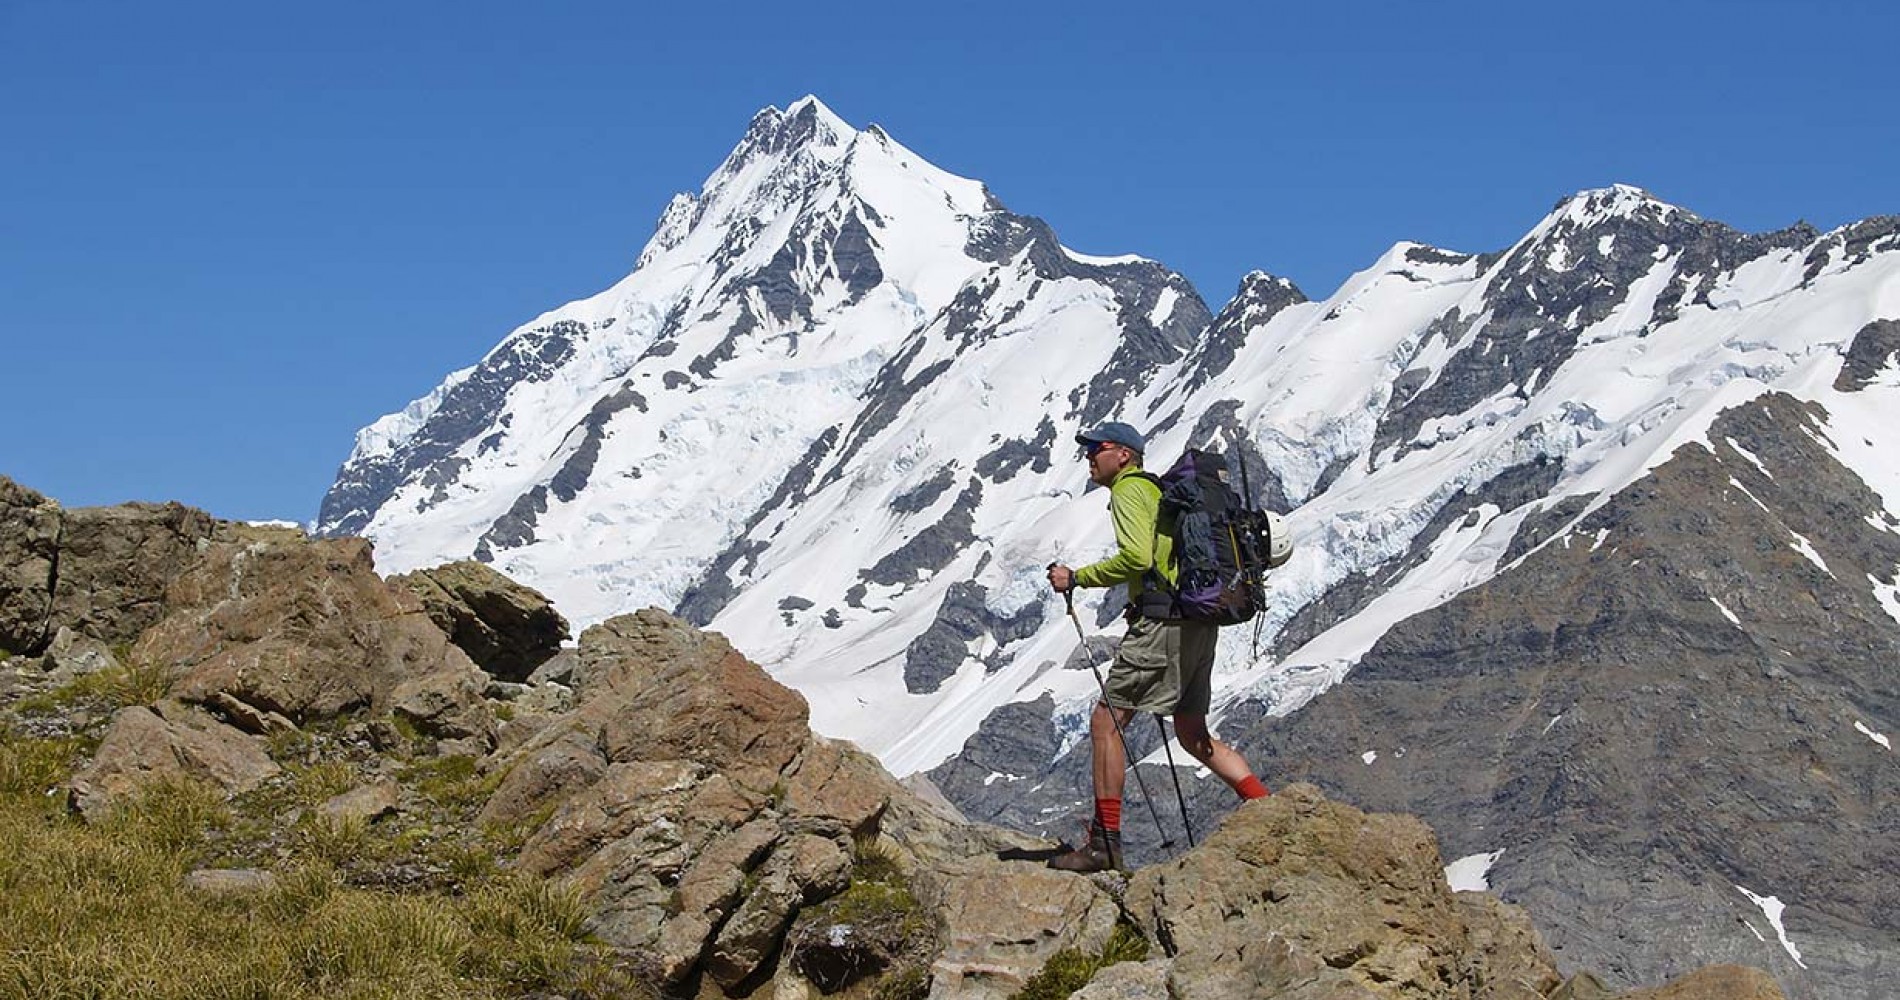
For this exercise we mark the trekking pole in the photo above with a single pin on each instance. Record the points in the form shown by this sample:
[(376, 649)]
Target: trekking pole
[(1186, 824), (1068, 598)]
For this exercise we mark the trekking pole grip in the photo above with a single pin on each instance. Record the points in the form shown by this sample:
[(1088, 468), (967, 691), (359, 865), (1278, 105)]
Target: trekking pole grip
[(1068, 596)]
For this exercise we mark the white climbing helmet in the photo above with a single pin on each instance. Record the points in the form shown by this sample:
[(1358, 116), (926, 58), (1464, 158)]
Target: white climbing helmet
[(1279, 540)]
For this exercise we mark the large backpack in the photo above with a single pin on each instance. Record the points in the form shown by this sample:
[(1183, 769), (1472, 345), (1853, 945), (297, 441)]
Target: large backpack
[(1222, 547)]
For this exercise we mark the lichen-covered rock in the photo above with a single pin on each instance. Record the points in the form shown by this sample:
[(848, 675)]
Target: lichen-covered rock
[(143, 747), (1297, 892), (508, 629), (1004, 919), (71, 655), (804, 869), (1715, 982), (307, 630), (364, 803), (1509, 958), (1128, 981), (115, 564), (29, 547)]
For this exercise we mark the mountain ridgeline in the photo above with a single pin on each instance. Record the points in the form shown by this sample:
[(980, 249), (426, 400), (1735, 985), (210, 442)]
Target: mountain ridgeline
[(1596, 534)]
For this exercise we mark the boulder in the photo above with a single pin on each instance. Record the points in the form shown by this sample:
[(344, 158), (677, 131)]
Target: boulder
[(804, 869), (673, 692), (115, 564), (1715, 982), (508, 630), (230, 881), (29, 549), (707, 894), (364, 803), (143, 747), (1002, 920), (1128, 981), (1300, 896), (307, 630), (71, 655)]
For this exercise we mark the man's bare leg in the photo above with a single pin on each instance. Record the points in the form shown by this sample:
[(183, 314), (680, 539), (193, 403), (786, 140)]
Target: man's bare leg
[(1223, 760)]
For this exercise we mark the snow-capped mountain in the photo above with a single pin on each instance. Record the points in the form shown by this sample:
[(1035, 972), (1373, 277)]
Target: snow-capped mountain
[(831, 411)]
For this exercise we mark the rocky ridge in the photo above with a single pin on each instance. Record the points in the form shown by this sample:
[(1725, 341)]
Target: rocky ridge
[(720, 847)]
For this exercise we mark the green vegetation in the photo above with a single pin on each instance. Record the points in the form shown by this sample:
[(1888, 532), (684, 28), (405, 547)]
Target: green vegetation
[(875, 927), (1070, 969), (103, 910), (126, 683)]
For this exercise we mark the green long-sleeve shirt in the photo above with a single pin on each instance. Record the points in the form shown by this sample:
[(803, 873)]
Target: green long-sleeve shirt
[(1134, 502)]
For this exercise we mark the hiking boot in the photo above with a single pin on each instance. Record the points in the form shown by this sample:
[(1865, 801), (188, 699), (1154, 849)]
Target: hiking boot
[(1102, 853)]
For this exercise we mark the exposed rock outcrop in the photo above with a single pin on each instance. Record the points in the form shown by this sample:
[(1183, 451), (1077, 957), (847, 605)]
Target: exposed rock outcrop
[(688, 799), (307, 630), (29, 551), (145, 748), (1296, 895), (506, 628)]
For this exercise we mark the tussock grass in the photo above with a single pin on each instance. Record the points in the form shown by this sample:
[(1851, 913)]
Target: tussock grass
[(129, 683), (102, 911), (1071, 969)]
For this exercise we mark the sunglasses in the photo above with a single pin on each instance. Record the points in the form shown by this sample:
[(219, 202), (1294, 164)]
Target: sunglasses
[(1096, 448)]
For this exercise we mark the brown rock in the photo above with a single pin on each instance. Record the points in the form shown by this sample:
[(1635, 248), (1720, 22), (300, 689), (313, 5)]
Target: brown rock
[(71, 655), (804, 869), (230, 881), (506, 628), (29, 549), (115, 564), (707, 895), (1003, 921), (249, 718), (1296, 892), (142, 748), (1715, 982), (837, 788), (668, 698), (364, 803), (566, 761), (307, 630), (646, 799), (1510, 958)]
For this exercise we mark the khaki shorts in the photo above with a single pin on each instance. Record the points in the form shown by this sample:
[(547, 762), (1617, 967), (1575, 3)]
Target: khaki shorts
[(1164, 667)]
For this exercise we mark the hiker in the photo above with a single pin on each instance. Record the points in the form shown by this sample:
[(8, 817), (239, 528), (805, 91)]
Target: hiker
[(1165, 664)]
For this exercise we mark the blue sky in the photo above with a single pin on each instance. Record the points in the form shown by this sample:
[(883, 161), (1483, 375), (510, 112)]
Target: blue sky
[(233, 233)]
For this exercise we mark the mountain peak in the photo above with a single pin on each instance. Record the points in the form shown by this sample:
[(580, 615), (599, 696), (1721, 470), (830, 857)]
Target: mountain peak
[(1593, 206), (806, 122)]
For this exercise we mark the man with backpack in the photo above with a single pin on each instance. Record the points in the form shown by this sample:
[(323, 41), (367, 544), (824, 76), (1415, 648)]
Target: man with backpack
[(1166, 660)]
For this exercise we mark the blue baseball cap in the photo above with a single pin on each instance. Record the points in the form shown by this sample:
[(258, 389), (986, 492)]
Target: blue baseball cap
[(1114, 432)]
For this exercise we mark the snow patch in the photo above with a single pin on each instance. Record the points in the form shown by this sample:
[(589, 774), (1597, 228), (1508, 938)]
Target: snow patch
[(1879, 738), (1888, 594), (1468, 874), (1751, 456), (1771, 908), (1802, 546), (1369, 756), (1726, 613)]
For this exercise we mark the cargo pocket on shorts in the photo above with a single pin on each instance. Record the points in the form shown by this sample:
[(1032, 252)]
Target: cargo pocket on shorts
[(1144, 648)]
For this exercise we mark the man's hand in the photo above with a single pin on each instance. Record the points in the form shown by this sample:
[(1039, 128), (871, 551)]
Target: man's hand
[(1061, 577)]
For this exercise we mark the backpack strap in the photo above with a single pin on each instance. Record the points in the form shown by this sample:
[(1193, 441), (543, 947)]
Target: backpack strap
[(1158, 600)]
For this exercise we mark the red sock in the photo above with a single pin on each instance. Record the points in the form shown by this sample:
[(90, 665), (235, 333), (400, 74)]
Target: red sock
[(1108, 812), (1251, 788)]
